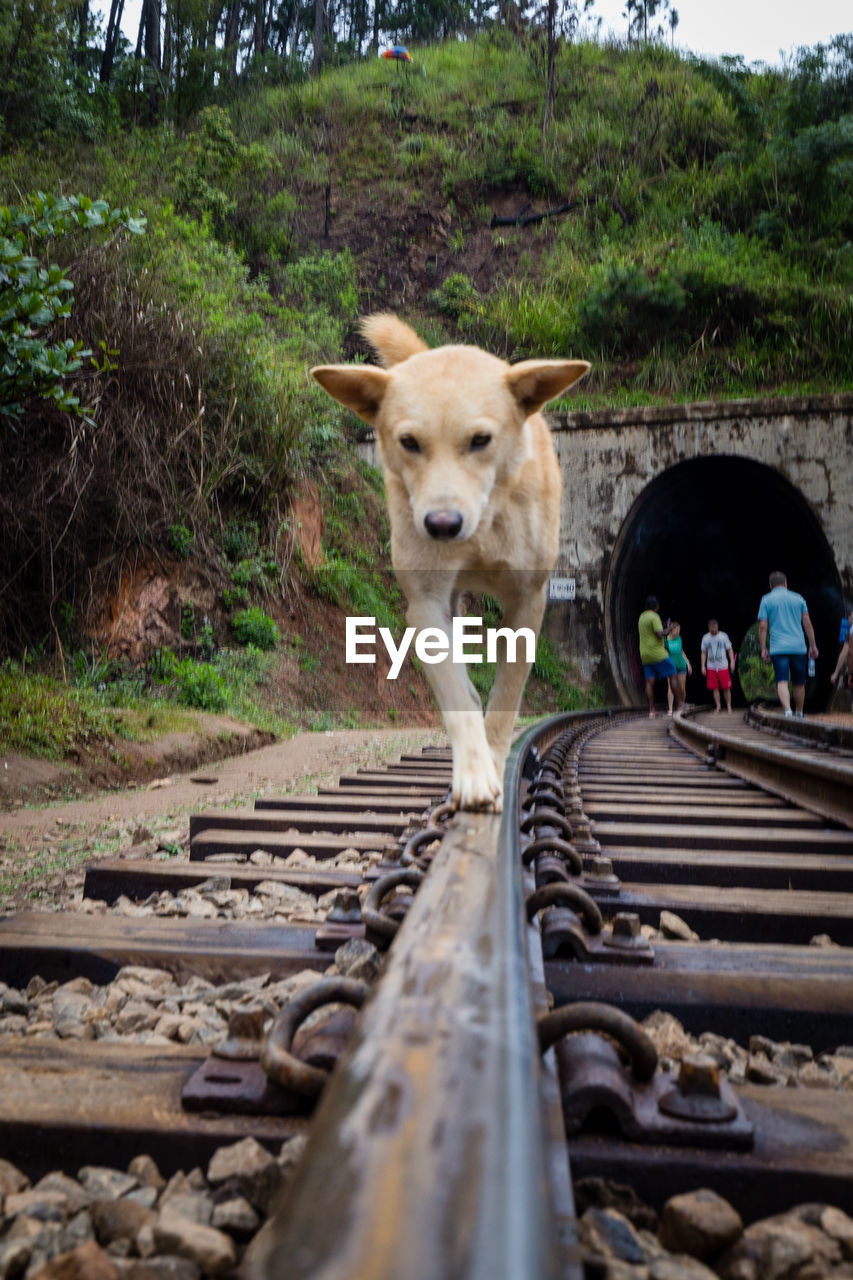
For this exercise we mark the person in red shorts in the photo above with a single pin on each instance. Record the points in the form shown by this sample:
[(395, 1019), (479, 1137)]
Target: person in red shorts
[(718, 663)]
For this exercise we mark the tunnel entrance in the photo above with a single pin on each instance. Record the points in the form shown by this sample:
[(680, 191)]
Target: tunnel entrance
[(703, 537)]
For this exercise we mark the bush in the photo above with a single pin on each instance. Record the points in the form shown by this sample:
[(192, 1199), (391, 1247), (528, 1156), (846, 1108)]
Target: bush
[(254, 627), (756, 676), (198, 685), (627, 309), (180, 540), (34, 296)]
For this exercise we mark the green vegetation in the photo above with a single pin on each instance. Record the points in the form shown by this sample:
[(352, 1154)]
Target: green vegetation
[(253, 626), (685, 225), (756, 676), (35, 295), (42, 717)]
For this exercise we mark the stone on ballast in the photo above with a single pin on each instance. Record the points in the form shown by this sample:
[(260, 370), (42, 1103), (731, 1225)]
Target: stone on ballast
[(165, 1266), (76, 1197), (136, 1015), (291, 1153), (214, 884), (761, 1071), (120, 1249), (38, 986), (679, 1267), (39, 1029), (195, 1205), (69, 1015), (251, 1167), (13, 1001), (602, 1193), (43, 1206), (118, 1219), (84, 986), (76, 1232), (775, 1249), (245, 988), (13, 1024), (12, 1180), (14, 1256), (146, 976), (818, 1076), (146, 1196), (169, 1026), (842, 1067), (285, 893), (838, 1226), (88, 1262), (104, 1183), (236, 1216), (213, 1250), (615, 1269), (611, 1235), (668, 1035), (358, 958), (700, 1223), (672, 926)]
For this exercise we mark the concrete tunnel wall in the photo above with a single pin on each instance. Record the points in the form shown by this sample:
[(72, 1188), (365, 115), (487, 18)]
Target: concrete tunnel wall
[(697, 503)]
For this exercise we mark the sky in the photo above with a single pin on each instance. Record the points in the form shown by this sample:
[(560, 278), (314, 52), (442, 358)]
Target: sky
[(759, 30)]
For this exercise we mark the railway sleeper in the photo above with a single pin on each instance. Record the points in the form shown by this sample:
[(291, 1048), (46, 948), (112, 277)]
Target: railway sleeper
[(791, 993)]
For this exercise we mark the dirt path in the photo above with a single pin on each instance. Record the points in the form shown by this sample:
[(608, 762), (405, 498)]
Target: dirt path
[(43, 850)]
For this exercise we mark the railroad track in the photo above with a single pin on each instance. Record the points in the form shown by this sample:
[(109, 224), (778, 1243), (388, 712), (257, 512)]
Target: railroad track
[(482, 1074)]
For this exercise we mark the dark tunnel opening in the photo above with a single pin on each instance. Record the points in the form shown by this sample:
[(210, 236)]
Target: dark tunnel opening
[(703, 537)]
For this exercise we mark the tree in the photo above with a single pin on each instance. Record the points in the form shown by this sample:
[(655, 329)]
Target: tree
[(319, 16)]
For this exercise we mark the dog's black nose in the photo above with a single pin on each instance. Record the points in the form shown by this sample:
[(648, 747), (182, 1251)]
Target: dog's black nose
[(443, 524)]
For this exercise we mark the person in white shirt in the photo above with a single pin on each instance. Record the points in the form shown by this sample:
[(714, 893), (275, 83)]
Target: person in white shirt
[(718, 663)]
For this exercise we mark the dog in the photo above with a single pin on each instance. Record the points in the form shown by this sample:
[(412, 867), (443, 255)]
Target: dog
[(473, 491)]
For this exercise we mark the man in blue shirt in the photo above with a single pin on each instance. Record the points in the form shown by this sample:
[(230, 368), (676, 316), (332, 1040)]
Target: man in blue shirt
[(786, 615)]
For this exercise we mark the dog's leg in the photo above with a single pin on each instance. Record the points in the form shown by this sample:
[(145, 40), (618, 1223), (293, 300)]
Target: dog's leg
[(522, 609), (476, 781)]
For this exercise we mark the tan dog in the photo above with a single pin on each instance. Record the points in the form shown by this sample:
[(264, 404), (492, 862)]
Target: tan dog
[(473, 490)]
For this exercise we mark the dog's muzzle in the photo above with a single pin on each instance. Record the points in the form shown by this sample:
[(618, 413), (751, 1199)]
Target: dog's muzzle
[(443, 525)]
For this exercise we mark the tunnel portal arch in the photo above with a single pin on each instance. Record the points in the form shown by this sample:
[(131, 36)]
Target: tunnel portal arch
[(703, 537)]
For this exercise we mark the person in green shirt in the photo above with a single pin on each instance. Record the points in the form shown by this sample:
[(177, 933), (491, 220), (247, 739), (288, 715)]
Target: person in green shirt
[(657, 664)]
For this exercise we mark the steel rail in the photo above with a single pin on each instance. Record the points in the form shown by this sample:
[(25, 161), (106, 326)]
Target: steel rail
[(431, 1156), (820, 784)]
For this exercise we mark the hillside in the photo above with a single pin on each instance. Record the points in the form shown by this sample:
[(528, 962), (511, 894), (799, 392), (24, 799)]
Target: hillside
[(687, 227)]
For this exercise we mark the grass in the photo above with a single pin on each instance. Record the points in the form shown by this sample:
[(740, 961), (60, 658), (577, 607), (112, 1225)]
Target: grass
[(40, 716)]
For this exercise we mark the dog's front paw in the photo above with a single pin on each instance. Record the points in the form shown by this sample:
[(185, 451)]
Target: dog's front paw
[(478, 789)]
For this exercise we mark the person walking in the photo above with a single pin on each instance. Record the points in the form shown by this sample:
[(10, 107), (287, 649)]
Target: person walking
[(657, 664), (675, 649), (842, 663), (718, 663), (786, 615)]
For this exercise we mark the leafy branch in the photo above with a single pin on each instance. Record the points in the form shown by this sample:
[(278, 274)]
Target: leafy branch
[(34, 295)]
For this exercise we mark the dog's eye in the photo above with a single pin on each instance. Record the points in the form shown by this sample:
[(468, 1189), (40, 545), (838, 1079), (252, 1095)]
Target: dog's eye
[(480, 440), (410, 444)]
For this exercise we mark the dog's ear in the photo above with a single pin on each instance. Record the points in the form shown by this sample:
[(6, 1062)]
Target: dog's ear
[(391, 339), (535, 382), (361, 387)]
